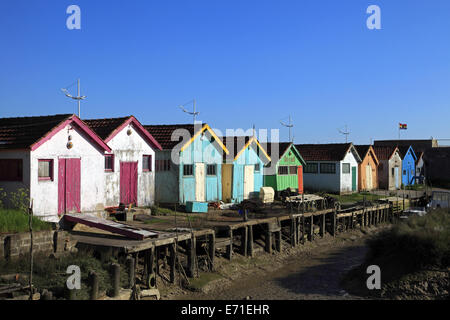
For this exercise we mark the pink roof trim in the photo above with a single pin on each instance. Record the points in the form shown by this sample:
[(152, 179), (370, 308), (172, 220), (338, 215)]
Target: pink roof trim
[(135, 122), (62, 125)]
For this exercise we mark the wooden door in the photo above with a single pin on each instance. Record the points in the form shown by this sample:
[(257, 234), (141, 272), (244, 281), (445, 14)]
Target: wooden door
[(227, 173), (353, 178), (249, 181), (396, 177), (369, 178), (200, 182), (69, 186), (300, 179), (128, 182)]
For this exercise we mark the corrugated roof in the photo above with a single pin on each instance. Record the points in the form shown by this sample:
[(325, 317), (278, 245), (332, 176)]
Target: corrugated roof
[(323, 152), (22, 132)]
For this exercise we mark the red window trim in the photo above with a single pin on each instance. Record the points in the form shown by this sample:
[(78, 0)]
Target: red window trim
[(51, 170), (149, 159), (112, 162)]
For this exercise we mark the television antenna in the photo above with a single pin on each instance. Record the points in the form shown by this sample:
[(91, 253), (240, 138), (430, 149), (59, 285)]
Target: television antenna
[(193, 113), (345, 132), (78, 97), (288, 125)]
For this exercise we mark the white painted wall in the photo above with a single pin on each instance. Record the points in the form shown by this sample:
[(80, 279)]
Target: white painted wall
[(395, 161), (346, 178), (45, 193), (130, 148)]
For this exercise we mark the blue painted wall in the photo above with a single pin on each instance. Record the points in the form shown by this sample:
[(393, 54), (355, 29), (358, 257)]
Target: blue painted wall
[(202, 150), (248, 157), (409, 167)]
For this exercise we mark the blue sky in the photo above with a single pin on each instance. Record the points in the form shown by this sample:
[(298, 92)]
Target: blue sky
[(245, 62)]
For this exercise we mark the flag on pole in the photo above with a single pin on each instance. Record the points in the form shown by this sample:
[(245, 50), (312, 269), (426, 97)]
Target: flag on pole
[(403, 126)]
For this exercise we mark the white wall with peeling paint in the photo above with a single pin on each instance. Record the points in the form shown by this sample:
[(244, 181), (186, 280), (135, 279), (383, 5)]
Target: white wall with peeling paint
[(130, 148)]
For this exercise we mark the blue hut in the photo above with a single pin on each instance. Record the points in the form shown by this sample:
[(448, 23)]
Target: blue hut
[(242, 170), (408, 164), (189, 166)]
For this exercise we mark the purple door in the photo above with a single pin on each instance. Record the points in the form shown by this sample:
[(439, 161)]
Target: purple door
[(69, 178), (128, 182)]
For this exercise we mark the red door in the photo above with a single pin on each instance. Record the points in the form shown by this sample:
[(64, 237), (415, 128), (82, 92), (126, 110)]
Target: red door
[(300, 179), (69, 184), (128, 182)]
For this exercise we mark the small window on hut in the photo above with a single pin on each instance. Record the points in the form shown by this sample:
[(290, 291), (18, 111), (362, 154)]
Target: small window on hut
[(45, 169), (162, 165), (188, 170), (146, 163), (311, 168), (327, 168), (346, 168), (292, 170), (257, 167), (211, 169), (11, 170), (109, 162), (283, 170)]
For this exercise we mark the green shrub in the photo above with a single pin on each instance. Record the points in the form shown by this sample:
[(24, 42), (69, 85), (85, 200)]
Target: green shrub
[(17, 221)]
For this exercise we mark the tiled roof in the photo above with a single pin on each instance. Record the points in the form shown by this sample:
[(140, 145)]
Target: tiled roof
[(384, 152), (418, 145), (104, 127), (22, 132), (323, 152), (163, 133), (362, 149)]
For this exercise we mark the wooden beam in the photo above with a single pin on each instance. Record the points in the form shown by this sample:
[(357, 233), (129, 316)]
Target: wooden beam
[(172, 259), (191, 255), (244, 239), (211, 250), (250, 250), (230, 247), (268, 240)]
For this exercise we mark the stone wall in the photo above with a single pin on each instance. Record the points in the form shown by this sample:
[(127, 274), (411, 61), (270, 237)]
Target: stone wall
[(15, 245)]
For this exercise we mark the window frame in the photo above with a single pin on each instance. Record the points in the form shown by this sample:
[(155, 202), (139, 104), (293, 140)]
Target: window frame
[(50, 170), (324, 165), (283, 174), (257, 167), (19, 178), (349, 168), (212, 165), (112, 162), (290, 170), (308, 165), (184, 170), (149, 162)]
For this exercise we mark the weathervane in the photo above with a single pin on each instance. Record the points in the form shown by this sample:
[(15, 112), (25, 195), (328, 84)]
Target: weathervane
[(78, 97)]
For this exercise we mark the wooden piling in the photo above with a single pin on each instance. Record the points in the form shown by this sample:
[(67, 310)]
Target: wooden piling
[(93, 279), (278, 240), (268, 240), (116, 279), (250, 250), (311, 229), (131, 269), (191, 252), (172, 260), (322, 226), (211, 250), (334, 225), (293, 235), (230, 247), (244, 239)]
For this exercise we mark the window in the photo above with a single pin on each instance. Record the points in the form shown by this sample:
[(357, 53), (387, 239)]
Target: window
[(311, 168), (188, 170), (211, 169), (346, 168), (392, 171), (146, 163), (283, 170), (327, 168), (11, 169), (109, 162), (404, 172), (45, 169), (257, 167), (292, 170), (163, 165)]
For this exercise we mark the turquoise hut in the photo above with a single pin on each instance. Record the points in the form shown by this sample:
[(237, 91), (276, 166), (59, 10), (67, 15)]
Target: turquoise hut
[(242, 170), (189, 166)]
